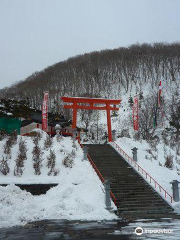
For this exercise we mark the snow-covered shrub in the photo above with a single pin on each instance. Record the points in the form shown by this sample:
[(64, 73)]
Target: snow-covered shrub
[(7, 147), (51, 163), (153, 142), (137, 136), (4, 168), (169, 160), (36, 138), (21, 157), (69, 159), (165, 138), (149, 150), (173, 141), (125, 133), (48, 142), (62, 151), (160, 164), (19, 167), (3, 134), (37, 159), (177, 149), (14, 136), (23, 148)]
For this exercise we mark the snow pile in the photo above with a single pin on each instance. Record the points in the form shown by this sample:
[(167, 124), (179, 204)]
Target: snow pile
[(72, 200), (155, 167), (78, 196)]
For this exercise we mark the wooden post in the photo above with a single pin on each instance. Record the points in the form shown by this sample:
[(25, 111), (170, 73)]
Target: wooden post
[(74, 115), (109, 122)]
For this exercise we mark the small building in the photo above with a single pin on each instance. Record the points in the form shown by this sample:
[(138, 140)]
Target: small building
[(35, 121), (10, 124)]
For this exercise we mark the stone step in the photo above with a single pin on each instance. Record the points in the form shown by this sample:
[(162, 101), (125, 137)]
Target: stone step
[(142, 204), (138, 195), (134, 202), (133, 193), (132, 186), (144, 211)]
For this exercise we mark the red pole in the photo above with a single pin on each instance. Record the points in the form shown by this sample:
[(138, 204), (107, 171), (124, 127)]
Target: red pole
[(74, 115), (109, 122)]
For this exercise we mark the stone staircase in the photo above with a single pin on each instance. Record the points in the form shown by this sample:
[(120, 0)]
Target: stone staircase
[(135, 197)]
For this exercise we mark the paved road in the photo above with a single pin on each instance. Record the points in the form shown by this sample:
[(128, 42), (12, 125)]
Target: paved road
[(63, 229)]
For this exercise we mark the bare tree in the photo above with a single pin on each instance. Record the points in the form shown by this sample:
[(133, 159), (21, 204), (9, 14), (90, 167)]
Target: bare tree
[(146, 118)]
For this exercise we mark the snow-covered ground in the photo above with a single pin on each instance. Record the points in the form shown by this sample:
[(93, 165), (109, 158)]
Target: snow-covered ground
[(155, 167), (78, 196)]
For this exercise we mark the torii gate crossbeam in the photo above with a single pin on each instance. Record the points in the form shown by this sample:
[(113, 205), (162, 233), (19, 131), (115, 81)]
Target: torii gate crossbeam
[(76, 103)]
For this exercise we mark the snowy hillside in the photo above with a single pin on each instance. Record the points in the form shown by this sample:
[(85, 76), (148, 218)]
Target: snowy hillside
[(78, 196)]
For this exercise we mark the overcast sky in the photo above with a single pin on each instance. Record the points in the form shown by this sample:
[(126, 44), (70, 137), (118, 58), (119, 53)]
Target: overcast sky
[(35, 34)]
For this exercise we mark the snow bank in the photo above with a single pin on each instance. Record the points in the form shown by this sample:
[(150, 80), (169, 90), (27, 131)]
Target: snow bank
[(78, 200), (78, 196)]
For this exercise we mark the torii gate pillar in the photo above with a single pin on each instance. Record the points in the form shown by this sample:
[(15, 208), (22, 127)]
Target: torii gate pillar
[(91, 103)]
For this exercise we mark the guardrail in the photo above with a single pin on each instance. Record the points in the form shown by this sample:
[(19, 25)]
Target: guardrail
[(147, 176), (101, 177), (98, 173)]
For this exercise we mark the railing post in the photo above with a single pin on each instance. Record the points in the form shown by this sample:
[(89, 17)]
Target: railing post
[(134, 151), (175, 190), (107, 195), (85, 153), (114, 135)]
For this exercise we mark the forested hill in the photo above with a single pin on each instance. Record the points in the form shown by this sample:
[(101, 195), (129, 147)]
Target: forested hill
[(107, 73)]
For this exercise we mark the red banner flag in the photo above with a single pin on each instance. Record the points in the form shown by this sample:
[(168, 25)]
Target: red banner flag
[(135, 114), (46, 96), (45, 112)]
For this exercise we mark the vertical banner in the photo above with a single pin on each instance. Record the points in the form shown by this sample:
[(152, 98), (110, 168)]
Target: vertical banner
[(135, 114), (45, 112)]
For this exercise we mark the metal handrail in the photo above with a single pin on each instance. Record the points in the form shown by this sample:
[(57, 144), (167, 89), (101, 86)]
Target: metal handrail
[(142, 171), (99, 174), (101, 177)]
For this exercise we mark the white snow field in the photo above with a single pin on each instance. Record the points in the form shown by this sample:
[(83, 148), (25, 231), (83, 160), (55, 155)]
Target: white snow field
[(79, 195)]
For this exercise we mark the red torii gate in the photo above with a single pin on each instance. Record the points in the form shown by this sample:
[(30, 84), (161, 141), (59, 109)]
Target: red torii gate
[(91, 103)]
